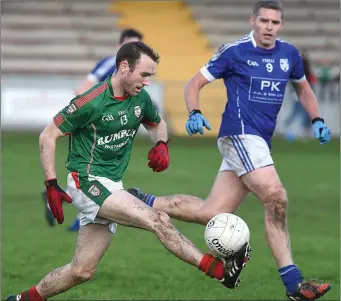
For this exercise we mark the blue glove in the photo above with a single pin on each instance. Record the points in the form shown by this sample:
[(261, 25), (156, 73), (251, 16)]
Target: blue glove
[(196, 122), (321, 131)]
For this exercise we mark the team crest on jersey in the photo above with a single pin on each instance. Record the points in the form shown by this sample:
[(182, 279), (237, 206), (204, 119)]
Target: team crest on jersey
[(94, 191), (71, 109), (137, 111), (284, 63)]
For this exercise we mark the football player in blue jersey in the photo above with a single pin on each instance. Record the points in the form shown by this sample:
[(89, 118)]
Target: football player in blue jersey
[(100, 72), (255, 70)]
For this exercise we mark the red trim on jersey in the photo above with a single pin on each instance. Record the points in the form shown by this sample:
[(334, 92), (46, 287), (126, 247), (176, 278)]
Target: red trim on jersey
[(121, 97), (58, 120), (149, 123), (90, 96), (76, 179)]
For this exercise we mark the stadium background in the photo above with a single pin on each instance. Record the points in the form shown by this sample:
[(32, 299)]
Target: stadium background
[(47, 49)]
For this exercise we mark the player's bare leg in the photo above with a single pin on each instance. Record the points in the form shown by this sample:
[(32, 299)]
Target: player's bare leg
[(125, 209), (93, 241), (227, 193), (266, 185)]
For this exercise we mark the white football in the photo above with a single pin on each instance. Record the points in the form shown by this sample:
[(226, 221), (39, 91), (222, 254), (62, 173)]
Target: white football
[(225, 234)]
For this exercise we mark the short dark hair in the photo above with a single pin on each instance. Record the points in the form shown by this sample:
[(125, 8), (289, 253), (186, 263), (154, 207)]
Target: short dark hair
[(276, 5), (130, 33), (132, 51)]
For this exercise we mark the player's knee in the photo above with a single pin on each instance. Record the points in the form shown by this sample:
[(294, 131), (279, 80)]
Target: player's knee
[(161, 221), (277, 201), (277, 194), (82, 274)]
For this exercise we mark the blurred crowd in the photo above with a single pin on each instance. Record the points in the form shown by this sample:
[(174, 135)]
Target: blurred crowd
[(322, 78)]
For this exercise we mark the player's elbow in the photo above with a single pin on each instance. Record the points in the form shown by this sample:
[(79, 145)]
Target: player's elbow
[(45, 141), (162, 125), (196, 83), (192, 84), (199, 80), (43, 138), (50, 134)]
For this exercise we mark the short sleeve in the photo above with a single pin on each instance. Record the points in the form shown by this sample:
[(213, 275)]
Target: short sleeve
[(218, 65), (297, 71), (151, 115), (73, 116), (81, 110)]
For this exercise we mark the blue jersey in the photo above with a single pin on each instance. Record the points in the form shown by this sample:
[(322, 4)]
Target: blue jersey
[(255, 79), (103, 69)]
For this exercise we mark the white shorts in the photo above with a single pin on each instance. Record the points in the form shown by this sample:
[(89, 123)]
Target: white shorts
[(244, 153), (88, 194)]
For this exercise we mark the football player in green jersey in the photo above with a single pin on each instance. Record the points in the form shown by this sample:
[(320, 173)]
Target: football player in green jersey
[(104, 68), (102, 124)]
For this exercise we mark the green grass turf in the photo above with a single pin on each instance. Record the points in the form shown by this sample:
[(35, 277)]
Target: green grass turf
[(136, 266)]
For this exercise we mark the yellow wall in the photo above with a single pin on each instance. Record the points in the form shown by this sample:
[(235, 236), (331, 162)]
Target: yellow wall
[(168, 26)]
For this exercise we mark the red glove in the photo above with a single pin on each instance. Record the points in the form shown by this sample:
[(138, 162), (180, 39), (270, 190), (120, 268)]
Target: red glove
[(55, 196), (158, 157)]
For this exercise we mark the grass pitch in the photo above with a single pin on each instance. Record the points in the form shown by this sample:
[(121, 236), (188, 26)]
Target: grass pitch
[(137, 267)]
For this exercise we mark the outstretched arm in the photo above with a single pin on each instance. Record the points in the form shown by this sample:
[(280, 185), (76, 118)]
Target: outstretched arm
[(309, 102), (47, 144), (196, 120), (307, 98), (55, 195), (192, 89)]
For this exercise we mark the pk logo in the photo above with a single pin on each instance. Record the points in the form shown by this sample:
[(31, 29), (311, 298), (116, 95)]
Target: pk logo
[(270, 84)]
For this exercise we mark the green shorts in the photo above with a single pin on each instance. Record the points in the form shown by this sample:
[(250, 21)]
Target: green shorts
[(88, 193)]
